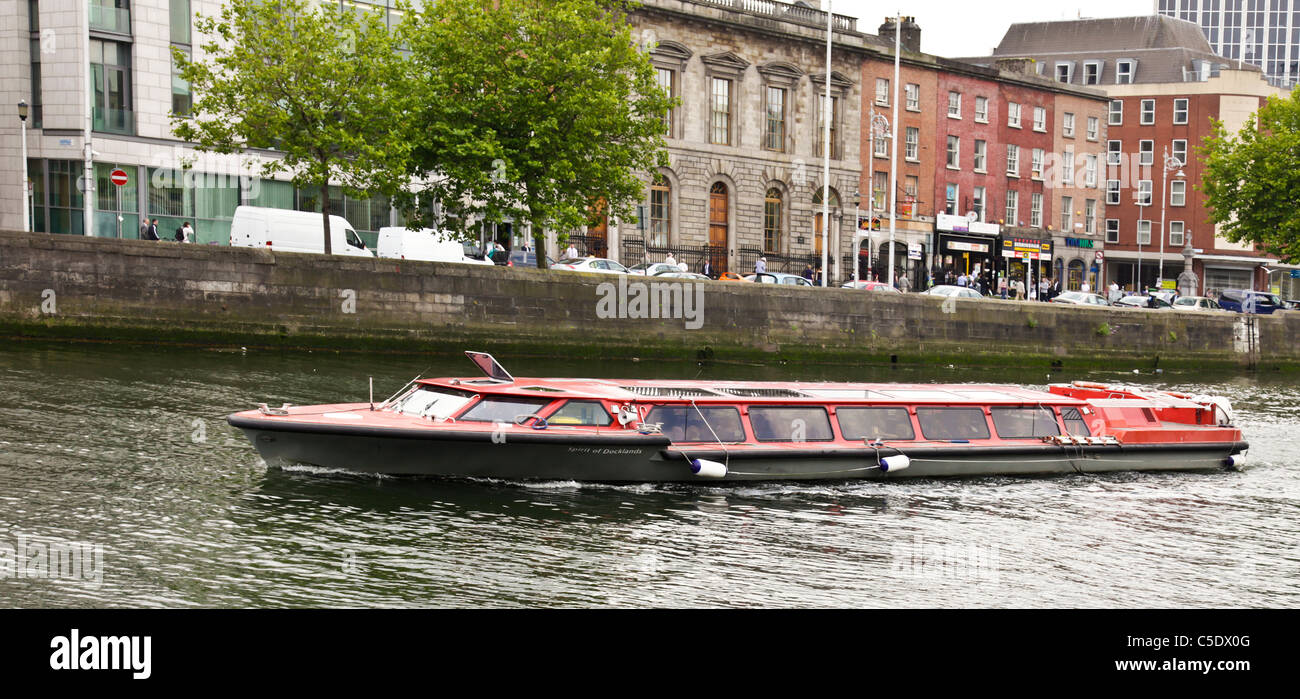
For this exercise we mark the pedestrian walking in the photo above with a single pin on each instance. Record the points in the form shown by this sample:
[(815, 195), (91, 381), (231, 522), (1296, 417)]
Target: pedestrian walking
[(152, 233), (760, 266)]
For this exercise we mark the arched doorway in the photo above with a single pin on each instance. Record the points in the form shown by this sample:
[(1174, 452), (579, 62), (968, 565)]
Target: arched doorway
[(817, 217), (718, 226), (1075, 280)]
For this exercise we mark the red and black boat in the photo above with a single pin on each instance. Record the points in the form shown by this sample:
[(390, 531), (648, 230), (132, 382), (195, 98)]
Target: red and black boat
[(608, 430)]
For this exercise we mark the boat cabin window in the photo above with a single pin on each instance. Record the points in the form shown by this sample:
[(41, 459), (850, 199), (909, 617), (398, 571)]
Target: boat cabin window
[(1075, 425), (432, 402), (791, 424), (503, 409), (581, 412), (684, 423), (870, 423), (1025, 423), (953, 423)]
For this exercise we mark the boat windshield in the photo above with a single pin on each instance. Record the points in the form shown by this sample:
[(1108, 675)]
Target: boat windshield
[(431, 402)]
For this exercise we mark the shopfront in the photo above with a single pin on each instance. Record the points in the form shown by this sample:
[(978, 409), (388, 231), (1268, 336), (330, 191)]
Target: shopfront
[(1026, 258), (1079, 261), (964, 247)]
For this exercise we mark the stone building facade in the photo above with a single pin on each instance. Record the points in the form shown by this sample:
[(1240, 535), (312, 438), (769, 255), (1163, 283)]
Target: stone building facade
[(745, 171)]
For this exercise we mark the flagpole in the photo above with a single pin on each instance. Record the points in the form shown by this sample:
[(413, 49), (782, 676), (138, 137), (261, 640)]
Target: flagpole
[(893, 149)]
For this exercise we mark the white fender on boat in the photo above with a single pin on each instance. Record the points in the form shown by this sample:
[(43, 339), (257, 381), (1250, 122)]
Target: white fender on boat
[(708, 469), (1236, 462), (897, 462)]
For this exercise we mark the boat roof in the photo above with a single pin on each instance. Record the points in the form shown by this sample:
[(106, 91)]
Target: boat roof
[(702, 391)]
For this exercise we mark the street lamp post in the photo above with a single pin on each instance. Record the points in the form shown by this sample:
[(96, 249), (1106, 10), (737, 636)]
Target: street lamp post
[(1142, 203), (857, 234), (22, 116), (1170, 164)]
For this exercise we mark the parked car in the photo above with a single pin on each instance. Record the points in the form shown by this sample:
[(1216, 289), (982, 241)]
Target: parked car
[(1247, 301), (1079, 298), (1292, 304), (283, 230), (778, 278), (526, 258), (696, 276), (592, 264), (1196, 303), (1137, 301), (400, 243), (951, 291), (731, 277), (871, 286), (653, 268)]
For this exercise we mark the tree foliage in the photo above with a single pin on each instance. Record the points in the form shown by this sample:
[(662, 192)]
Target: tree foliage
[(540, 111), (322, 87), (1251, 180)]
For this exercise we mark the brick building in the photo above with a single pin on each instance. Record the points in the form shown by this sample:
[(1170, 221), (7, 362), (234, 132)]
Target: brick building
[(1165, 86)]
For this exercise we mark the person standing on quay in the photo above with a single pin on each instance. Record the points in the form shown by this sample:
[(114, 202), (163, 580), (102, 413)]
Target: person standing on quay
[(760, 266)]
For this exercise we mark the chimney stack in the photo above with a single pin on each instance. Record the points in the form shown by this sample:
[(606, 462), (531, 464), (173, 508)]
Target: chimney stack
[(911, 38), (1023, 66)]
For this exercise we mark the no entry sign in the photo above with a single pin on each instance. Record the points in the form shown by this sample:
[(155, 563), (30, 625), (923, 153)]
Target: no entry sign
[(117, 177)]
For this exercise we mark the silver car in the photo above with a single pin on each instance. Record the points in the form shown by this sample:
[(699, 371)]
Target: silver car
[(592, 264), (951, 291), (1079, 298)]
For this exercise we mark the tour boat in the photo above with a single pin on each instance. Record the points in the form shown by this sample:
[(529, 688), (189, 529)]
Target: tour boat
[(608, 430)]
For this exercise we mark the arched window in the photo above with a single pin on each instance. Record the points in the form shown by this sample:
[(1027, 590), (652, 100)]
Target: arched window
[(661, 211), (772, 216)]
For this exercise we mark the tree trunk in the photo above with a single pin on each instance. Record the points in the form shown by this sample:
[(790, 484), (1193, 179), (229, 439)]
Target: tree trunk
[(539, 244), (325, 212)]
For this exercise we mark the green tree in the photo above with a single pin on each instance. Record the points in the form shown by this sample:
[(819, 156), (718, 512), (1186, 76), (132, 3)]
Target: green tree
[(542, 111), (321, 87), (1251, 180)]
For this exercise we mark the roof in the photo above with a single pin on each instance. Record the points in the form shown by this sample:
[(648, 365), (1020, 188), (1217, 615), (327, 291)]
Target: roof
[(1165, 48)]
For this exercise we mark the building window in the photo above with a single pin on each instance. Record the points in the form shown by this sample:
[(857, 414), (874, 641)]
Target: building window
[(661, 211), (1114, 152), (1094, 128), (1090, 171), (772, 211), (1013, 115), (912, 183), (110, 66), (1013, 206), (36, 111), (1040, 119), (879, 190), (912, 148), (1112, 192), (954, 151), (180, 21), (111, 16), (1091, 73), (981, 156), (1036, 164), (720, 131), (913, 97), (1146, 152), (1067, 166), (667, 79), (1144, 193), (982, 110), (882, 92), (835, 126), (978, 201), (1116, 113), (1144, 232), (1090, 216), (774, 134), (1036, 210), (1112, 230), (1176, 234), (950, 200), (1067, 215), (1125, 71), (1013, 160), (1148, 114), (1180, 110), (1064, 71), (954, 105), (1067, 125), (182, 99), (881, 145), (1178, 193), (1179, 151)]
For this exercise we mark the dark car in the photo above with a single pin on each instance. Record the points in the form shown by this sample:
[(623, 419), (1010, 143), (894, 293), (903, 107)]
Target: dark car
[(1247, 301), (525, 258)]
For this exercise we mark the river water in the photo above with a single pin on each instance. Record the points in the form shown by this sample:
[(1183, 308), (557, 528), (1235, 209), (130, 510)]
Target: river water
[(121, 455)]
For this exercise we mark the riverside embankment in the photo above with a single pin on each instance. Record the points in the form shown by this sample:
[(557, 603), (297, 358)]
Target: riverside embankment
[(76, 288)]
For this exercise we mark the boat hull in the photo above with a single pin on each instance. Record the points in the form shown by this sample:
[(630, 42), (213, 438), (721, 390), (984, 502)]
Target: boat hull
[(636, 458)]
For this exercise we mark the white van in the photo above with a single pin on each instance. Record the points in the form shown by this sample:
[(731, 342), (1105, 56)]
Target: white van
[(283, 230), (424, 244)]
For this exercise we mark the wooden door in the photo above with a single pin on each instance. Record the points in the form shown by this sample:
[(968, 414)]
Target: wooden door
[(718, 239)]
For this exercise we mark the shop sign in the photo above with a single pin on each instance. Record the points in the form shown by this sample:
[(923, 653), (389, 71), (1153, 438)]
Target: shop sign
[(965, 247), (914, 251), (1078, 243)]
